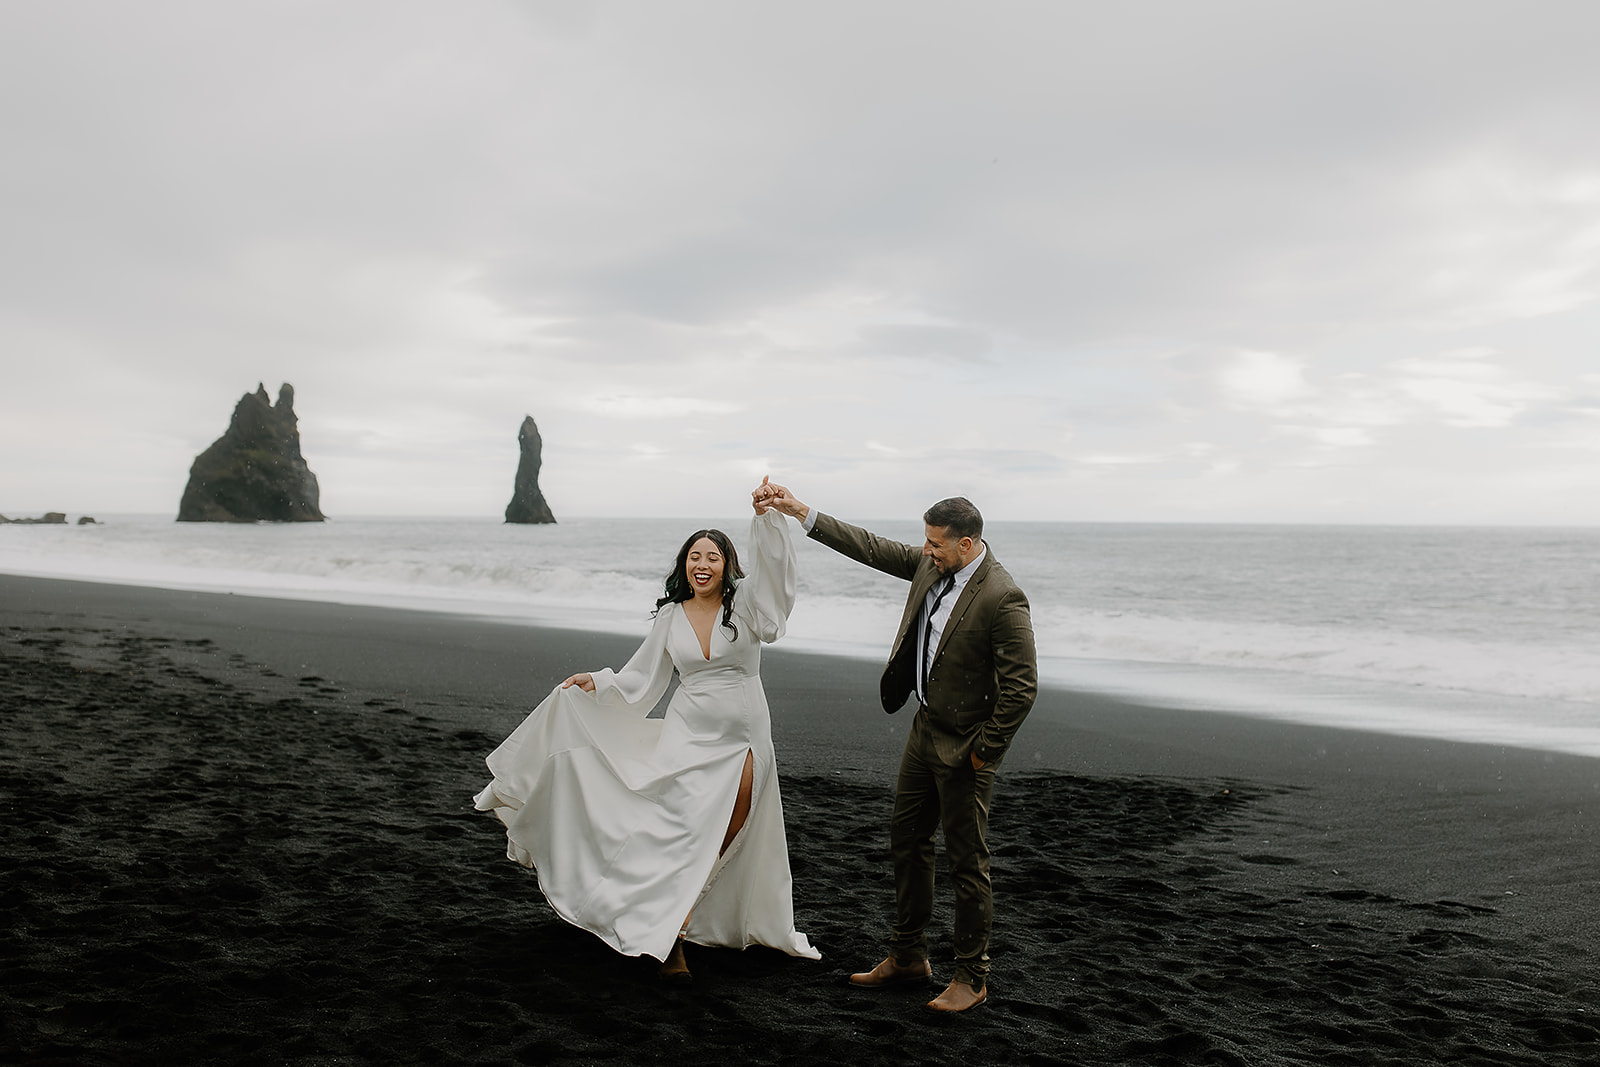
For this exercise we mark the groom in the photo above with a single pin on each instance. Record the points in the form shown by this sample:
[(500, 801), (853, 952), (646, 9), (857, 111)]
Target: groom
[(964, 650)]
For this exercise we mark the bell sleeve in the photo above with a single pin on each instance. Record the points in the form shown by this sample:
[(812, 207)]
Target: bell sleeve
[(766, 596), (645, 677)]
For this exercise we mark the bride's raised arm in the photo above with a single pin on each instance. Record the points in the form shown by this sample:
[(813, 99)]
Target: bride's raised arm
[(766, 596)]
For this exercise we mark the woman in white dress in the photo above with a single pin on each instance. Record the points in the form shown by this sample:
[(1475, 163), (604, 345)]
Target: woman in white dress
[(647, 832)]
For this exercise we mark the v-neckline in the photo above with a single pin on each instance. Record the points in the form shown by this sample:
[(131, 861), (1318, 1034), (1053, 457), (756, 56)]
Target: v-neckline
[(705, 649)]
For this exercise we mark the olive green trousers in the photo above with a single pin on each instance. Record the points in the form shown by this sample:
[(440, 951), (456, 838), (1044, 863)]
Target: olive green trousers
[(938, 787)]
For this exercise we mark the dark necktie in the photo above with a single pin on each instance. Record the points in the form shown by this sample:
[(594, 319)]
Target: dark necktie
[(927, 632)]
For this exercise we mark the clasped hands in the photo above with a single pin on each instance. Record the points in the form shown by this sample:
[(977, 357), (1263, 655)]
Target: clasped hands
[(769, 495)]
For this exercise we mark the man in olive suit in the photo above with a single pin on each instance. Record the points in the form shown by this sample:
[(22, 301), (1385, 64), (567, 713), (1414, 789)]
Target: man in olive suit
[(964, 650)]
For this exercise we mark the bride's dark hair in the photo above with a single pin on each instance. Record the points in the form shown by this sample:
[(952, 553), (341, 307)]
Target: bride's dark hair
[(679, 589)]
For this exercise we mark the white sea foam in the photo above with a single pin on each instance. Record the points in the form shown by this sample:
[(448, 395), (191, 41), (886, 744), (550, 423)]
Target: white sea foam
[(1548, 670), (1485, 635)]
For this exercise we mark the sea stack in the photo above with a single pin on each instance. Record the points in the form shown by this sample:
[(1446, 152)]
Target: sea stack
[(527, 503), (254, 472)]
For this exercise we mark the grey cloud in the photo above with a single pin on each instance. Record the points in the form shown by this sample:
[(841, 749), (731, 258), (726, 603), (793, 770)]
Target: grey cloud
[(1093, 202), (913, 339)]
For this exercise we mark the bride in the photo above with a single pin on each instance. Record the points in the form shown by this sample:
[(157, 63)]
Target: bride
[(649, 832)]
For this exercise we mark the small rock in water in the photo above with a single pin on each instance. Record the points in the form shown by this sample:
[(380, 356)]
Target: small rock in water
[(50, 518)]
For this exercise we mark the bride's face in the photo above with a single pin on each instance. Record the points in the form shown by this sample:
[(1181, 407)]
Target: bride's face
[(703, 568)]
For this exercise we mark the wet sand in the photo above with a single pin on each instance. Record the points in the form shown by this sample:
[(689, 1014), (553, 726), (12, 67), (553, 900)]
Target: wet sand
[(239, 830)]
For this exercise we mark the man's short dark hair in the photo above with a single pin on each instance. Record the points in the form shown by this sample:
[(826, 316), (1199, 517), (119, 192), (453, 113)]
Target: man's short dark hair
[(958, 515)]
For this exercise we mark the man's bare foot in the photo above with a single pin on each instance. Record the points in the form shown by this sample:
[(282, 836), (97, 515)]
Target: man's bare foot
[(892, 972), (959, 996), (675, 968)]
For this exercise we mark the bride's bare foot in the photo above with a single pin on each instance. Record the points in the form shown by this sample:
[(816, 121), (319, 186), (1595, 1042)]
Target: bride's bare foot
[(675, 968)]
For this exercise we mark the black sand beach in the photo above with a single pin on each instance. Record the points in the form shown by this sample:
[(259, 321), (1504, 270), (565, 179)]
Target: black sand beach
[(239, 830)]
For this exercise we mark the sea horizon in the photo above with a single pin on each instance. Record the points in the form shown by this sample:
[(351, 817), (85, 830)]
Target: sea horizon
[(104, 517)]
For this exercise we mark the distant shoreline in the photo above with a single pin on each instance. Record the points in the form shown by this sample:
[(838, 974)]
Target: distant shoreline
[(49, 518)]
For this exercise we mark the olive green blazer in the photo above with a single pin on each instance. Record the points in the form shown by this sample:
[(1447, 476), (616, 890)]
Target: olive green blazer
[(984, 675)]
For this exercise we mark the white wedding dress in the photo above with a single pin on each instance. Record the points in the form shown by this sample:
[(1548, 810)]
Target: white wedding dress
[(622, 816)]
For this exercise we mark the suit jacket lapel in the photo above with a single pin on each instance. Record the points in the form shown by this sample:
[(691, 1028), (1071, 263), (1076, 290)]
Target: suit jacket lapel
[(969, 593), (919, 595)]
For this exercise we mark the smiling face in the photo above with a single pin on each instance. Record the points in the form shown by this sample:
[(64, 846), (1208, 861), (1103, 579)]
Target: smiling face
[(949, 554), (703, 568)]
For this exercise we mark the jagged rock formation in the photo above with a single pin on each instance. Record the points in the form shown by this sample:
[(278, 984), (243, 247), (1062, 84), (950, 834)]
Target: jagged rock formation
[(51, 518), (527, 503), (254, 472)]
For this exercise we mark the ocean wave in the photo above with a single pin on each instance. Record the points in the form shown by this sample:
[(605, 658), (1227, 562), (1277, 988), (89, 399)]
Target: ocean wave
[(1550, 670), (606, 574)]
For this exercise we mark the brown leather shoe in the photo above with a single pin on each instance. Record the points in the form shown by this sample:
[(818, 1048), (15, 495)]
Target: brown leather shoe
[(891, 973), (674, 970), (959, 996)]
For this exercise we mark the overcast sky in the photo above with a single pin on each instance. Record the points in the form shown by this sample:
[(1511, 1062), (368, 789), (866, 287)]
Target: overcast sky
[(1185, 261)]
